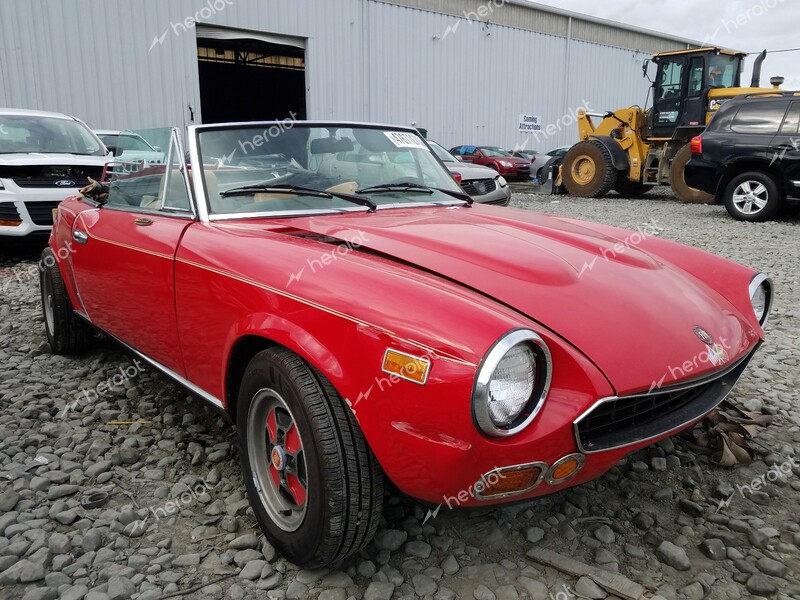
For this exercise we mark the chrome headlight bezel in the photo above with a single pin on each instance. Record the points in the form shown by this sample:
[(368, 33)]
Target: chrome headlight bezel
[(761, 283), (541, 384)]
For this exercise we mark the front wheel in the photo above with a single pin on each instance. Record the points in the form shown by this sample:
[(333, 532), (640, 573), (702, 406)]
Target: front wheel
[(315, 486), (588, 170), (66, 332), (753, 196)]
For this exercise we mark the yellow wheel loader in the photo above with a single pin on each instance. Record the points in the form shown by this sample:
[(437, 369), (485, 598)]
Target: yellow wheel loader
[(631, 149)]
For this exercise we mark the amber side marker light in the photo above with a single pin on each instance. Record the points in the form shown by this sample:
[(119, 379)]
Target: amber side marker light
[(509, 481), (405, 366), (565, 468), (10, 223)]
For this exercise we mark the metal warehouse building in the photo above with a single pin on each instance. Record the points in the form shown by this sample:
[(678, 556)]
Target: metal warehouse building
[(466, 70)]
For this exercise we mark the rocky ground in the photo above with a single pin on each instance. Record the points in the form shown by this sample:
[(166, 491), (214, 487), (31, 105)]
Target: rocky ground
[(173, 521)]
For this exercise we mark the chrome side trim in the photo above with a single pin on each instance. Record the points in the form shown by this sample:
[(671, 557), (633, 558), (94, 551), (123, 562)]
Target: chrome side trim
[(213, 400), (542, 466), (757, 281), (665, 390)]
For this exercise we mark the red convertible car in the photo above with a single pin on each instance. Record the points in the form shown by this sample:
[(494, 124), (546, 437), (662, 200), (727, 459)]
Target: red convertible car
[(331, 289)]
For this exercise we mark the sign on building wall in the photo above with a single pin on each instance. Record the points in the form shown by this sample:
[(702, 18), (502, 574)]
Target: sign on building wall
[(530, 123)]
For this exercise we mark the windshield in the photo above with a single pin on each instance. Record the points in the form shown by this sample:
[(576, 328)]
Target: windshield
[(443, 154), (22, 134), (127, 141), (296, 168), (724, 71), (491, 151)]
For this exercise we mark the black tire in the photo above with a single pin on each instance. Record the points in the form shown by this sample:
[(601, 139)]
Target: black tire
[(630, 189), (66, 332), (764, 202), (343, 493), (588, 171), (677, 180)]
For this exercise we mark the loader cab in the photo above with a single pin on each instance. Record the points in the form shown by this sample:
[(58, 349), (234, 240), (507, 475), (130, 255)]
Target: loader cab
[(680, 89)]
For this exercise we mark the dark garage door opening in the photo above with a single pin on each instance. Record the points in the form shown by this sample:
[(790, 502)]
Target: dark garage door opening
[(250, 80)]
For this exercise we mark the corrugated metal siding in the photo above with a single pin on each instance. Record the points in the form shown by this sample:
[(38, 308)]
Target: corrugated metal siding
[(366, 60)]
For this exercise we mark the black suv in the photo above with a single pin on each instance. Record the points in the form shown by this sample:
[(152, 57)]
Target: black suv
[(749, 155)]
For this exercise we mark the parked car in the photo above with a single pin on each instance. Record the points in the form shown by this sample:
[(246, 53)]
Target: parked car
[(129, 146), (540, 161), (364, 324), (483, 184), (749, 155), (496, 158), (44, 157), (528, 154)]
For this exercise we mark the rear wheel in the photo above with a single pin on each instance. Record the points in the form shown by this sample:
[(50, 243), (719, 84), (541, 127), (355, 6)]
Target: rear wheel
[(753, 196), (588, 171), (678, 181), (66, 332), (315, 486)]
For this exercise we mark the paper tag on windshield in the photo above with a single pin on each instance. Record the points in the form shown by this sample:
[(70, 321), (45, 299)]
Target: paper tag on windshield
[(405, 140)]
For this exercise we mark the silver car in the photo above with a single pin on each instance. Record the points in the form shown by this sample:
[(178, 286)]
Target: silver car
[(483, 184)]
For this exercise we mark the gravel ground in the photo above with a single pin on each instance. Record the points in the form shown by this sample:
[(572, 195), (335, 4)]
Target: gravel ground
[(176, 517)]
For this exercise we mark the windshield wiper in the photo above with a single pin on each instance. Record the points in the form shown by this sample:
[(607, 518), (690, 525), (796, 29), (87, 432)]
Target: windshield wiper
[(413, 187), (300, 191)]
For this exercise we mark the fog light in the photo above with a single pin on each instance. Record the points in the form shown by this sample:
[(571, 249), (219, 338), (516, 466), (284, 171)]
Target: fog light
[(565, 468), (509, 481), (10, 223)]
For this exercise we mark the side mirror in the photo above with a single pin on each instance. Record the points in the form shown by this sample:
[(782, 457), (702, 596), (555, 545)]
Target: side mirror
[(459, 158), (113, 150), (645, 66)]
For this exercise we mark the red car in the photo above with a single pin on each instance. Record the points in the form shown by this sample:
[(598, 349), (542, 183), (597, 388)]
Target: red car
[(360, 319), (510, 167)]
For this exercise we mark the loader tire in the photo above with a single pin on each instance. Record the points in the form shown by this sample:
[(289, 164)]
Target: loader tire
[(588, 171), (678, 182)]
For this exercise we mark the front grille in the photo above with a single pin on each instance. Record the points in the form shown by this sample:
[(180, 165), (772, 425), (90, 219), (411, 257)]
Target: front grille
[(51, 176), (8, 212), (41, 212), (479, 187), (618, 422)]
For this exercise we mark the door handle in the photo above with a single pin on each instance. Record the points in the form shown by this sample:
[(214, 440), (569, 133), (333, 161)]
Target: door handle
[(143, 221), (80, 236)]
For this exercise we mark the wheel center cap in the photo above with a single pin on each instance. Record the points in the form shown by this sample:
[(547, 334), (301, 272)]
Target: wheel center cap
[(278, 458)]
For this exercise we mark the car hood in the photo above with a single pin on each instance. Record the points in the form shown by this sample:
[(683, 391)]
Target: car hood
[(469, 171), (631, 313), (39, 158)]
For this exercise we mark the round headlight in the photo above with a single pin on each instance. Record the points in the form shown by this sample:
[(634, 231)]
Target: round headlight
[(502, 181), (511, 383), (761, 297)]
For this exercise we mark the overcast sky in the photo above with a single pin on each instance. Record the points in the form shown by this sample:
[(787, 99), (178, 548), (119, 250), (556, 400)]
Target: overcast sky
[(747, 25)]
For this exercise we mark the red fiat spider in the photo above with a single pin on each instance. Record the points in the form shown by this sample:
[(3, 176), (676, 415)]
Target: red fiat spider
[(330, 287)]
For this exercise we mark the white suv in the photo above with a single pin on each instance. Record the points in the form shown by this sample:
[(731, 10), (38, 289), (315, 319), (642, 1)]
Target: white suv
[(44, 158)]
